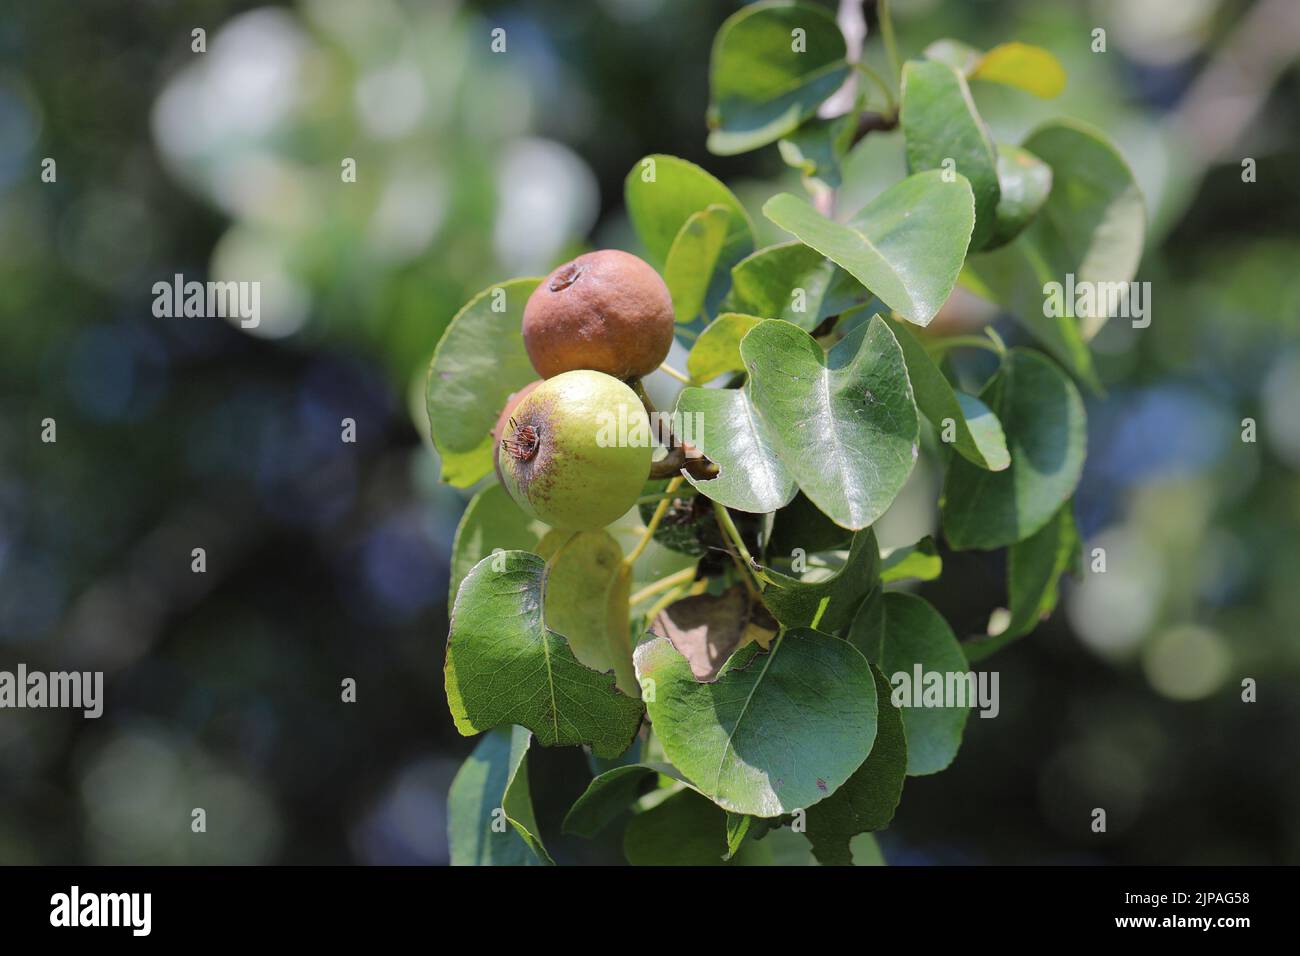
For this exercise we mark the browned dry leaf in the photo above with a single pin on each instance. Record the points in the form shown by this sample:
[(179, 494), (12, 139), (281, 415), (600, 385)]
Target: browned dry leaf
[(706, 629)]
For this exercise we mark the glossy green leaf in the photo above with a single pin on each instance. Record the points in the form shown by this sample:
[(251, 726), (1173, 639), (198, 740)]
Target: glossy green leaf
[(773, 64), (1026, 182), (843, 424), (490, 788), (1091, 229), (609, 795), (916, 635), (777, 731), (943, 131), (1043, 417), (491, 521), (794, 282), (1034, 569), (663, 192), (750, 477), (1022, 65), (867, 631), (582, 581), (917, 562), (906, 245), (717, 350), (868, 798), (737, 828), (505, 666), (479, 361), (976, 433), (826, 598), (693, 258)]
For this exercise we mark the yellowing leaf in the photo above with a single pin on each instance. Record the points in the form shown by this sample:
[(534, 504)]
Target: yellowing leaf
[(1025, 66)]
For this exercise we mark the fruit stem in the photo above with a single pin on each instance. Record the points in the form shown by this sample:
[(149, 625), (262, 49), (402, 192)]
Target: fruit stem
[(655, 518), (684, 576), (661, 495), (891, 106), (669, 370), (729, 528)]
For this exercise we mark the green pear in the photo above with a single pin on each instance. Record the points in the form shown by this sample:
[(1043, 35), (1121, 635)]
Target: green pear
[(576, 450)]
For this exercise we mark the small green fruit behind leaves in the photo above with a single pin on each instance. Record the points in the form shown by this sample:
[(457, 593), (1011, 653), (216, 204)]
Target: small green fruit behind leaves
[(1026, 182), (494, 780), (1043, 417), (917, 635), (773, 64), (907, 245), (586, 601), (943, 130), (506, 666), (776, 731), (479, 361)]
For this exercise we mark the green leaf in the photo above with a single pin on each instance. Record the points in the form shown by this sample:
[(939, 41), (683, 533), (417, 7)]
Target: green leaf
[(920, 562), (867, 632), (1026, 182), (683, 830), (491, 521), (818, 147), (737, 828), (1034, 569), (1091, 227), (868, 798), (906, 245), (844, 423), (916, 634), (1043, 417), (609, 795), (794, 282), (717, 350), (732, 435), (943, 130), (663, 192), (494, 777), (1030, 68), (962, 57), (693, 258), (977, 432), (505, 666), (583, 577), (772, 65), (824, 598), (776, 731), (479, 361), (1022, 65)]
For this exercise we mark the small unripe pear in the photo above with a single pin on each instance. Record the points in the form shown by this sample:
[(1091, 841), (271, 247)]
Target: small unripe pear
[(608, 311), (565, 457)]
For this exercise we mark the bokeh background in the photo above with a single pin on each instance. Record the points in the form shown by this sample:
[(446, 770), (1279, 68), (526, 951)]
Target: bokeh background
[(328, 560)]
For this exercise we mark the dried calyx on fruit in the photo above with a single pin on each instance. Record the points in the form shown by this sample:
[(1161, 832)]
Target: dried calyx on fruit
[(607, 310), (574, 451), (503, 420)]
